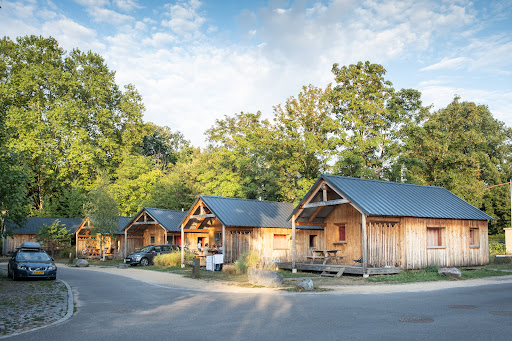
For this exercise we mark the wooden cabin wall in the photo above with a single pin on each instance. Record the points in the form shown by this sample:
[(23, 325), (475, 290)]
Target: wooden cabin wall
[(133, 242), (384, 239), (154, 230), (455, 250), (352, 248), (190, 240), (16, 240), (261, 240), (173, 237)]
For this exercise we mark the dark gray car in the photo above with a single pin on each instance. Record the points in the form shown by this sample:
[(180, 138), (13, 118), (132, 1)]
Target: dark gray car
[(30, 261), (144, 256)]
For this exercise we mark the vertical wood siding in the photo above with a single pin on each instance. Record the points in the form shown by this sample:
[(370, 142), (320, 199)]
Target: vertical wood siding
[(352, 248)]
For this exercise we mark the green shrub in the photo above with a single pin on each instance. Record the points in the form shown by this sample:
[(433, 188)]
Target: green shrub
[(500, 260), (496, 249), (172, 259), (432, 268), (246, 260), (64, 253)]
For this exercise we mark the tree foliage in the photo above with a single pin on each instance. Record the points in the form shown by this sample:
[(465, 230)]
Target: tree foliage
[(54, 236)]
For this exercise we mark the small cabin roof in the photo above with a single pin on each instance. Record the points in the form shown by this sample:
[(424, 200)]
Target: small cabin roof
[(385, 198), (168, 219), (236, 212), (33, 224)]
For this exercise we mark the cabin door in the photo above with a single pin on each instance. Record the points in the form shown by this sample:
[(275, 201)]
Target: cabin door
[(240, 242), (383, 242)]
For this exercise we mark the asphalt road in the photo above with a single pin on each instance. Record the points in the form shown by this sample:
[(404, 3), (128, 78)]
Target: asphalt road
[(112, 307)]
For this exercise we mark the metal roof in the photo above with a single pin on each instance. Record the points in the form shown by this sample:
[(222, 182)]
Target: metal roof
[(168, 219), (251, 213), (33, 224), (374, 197)]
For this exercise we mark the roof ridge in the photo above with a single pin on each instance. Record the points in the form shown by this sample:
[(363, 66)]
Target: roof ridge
[(156, 208), (256, 200), (380, 181)]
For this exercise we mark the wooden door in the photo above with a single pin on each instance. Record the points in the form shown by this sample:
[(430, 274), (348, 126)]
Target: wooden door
[(240, 242), (383, 242)]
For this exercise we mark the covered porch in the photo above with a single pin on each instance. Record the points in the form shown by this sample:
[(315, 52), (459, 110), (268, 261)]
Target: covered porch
[(333, 270)]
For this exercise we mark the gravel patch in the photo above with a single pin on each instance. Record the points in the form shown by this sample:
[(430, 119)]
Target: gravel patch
[(29, 304)]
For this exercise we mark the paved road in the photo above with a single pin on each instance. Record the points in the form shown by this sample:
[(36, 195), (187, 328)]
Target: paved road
[(113, 307)]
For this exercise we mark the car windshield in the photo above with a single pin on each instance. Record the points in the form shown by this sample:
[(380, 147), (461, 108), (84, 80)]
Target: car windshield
[(33, 256), (144, 249)]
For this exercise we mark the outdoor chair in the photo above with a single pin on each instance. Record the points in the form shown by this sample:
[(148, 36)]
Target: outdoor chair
[(358, 261)]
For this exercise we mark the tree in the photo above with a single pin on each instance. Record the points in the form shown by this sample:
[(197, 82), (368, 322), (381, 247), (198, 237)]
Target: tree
[(371, 114), (54, 236), (14, 205), (305, 138), (165, 146), (463, 148), (103, 211), (238, 158), (65, 115)]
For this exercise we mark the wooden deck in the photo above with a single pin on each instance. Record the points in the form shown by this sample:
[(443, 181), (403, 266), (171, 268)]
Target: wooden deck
[(352, 270)]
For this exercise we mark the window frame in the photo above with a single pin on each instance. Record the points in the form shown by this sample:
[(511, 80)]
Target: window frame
[(339, 226), (476, 238), (152, 239), (313, 241), (283, 236), (441, 236)]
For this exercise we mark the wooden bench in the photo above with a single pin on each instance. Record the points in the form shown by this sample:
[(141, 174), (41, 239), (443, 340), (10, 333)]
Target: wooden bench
[(315, 257)]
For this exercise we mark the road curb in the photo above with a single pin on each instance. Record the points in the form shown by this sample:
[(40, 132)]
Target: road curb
[(69, 313)]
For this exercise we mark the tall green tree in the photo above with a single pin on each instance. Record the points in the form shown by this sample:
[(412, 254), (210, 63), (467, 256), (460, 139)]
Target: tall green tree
[(65, 115), (54, 236), (103, 210), (239, 147), (305, 136), (465, 149), (371, 114)]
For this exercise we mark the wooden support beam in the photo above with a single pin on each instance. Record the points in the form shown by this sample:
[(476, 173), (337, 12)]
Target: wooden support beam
[(182, 246), (294, 270), (202, 216), (326, 203), (305, 223), (317, 211), (196, 230), (150, 222), (365, 245), (324, 191)]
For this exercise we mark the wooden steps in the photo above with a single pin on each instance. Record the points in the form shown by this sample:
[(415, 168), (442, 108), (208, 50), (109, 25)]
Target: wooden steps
[(332, 272)]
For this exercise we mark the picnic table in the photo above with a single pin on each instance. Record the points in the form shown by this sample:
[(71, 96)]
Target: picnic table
[(324, 256)]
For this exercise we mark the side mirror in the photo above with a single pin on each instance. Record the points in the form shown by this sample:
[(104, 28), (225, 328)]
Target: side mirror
[(53, 260)]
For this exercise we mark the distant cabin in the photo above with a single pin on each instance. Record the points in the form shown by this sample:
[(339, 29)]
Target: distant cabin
[(28, 232), (88, 243), (151, 226), (388, 224), (240, 225)]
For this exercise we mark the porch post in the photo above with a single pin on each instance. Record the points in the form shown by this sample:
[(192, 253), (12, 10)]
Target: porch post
[(365, 247), (182, 248), (223, 243), (294, 270), (125, 243), (76, 243)]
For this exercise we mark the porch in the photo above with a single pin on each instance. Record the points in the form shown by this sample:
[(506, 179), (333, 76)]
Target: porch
[(333, 268)]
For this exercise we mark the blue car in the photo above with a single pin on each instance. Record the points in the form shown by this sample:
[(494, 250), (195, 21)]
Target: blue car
[(31, 261)]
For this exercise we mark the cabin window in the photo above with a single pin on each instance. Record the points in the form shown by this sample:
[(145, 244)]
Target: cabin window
[(341, 233), (152, 240), (474, 240), (434, 237), (280, 241), (313, 241)]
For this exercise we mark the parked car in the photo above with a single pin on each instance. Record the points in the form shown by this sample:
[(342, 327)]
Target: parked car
[(144, 256), (31, 261)]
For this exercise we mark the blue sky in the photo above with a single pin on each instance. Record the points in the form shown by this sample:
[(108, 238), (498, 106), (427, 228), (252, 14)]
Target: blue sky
[(197, 61)]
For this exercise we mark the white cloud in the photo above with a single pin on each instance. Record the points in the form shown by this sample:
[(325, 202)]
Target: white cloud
[(93, 3), (108, 16), (71, 35), (184, 19), (127, 5), (447, 63)]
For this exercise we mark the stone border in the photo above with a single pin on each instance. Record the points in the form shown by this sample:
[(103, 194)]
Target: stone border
[(65, 318)]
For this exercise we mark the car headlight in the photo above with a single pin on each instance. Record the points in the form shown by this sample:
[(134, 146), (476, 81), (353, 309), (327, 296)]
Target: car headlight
[(21, 267), (137, 257), (52, 267)]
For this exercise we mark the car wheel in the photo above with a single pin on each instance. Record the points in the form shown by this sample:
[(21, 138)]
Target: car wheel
[(14, 276), (144, 262), (8, 272), (53, 278)]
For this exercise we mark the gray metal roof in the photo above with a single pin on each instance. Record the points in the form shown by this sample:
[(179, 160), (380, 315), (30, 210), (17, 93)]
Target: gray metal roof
[(123, 222), (250, 213), (375, 197), (33, 225), (168, 219)]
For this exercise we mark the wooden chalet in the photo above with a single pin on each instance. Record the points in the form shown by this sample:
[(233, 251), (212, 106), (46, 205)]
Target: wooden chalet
[(241, 225), (152, 226), (29, 231), (393, 225), (88, 243)]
